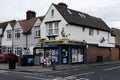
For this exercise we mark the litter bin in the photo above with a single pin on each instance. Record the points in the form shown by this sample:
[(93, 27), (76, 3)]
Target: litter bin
[(29, 59), (23, 62), (12, 64)]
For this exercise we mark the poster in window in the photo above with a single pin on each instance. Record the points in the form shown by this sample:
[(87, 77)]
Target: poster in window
[(80, 55), (74, 55)]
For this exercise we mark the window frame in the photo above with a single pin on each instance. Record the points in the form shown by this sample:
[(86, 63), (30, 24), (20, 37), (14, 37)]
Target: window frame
[(52, 28), (37, 32), (91, 31), (9, 34), (17, 33), (9, 49), (17, 50)]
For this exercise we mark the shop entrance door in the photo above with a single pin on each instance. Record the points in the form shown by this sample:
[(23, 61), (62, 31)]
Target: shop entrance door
[(64, 54)]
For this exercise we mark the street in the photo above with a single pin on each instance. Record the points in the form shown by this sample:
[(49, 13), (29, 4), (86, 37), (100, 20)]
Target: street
[(106, 72)]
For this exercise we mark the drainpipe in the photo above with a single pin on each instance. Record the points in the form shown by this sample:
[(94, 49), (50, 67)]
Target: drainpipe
[(12, 41), (26, 40)]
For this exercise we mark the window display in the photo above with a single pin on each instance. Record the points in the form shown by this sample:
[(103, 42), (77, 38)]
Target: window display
[(52, 54), (77, 55)]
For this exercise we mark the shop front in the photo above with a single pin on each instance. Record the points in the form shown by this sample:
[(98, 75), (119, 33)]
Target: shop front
[(65, 53)]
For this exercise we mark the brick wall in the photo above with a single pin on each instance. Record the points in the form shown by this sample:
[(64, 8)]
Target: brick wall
[(115, 54), (93, 51)]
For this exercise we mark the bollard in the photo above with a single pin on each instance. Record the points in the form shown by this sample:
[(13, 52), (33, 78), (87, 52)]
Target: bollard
[(12, 64), (44, 63), (54, 64)]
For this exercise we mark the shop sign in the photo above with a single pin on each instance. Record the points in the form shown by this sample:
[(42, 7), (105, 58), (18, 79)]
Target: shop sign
[(49, 45)]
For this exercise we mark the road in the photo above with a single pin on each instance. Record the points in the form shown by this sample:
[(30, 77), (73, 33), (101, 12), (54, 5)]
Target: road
[(107, 72)]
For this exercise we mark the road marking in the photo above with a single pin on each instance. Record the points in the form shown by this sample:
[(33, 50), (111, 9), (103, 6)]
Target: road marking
[(84, 74), (32, 77), (83, 79), (111, 68), (80, 74), (3, 72)]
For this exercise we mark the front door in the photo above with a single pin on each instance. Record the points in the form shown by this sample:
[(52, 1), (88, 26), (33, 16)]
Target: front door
[(64, 54)]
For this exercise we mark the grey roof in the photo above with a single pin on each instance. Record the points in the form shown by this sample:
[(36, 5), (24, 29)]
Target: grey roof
[(78, 18)]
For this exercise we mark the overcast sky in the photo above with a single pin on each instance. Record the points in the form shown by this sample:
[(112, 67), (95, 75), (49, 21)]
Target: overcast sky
[(108, 10)]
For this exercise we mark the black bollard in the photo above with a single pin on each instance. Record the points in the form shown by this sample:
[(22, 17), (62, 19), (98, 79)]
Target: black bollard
[(54, 64)]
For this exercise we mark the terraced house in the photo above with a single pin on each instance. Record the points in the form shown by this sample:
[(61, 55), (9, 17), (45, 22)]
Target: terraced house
[(24, 34)]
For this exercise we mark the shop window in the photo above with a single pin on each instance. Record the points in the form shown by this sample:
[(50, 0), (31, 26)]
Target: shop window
[(64, 53), (51, 54), (77, 55)]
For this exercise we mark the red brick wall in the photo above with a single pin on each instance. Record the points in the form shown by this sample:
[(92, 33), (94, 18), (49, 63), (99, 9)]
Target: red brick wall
[(115, 54), (93, 51)]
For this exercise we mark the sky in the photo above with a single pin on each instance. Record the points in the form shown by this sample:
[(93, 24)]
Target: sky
[(108, 10)]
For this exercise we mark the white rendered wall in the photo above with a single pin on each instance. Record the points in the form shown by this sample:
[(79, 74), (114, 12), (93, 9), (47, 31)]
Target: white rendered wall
[(76, 32), (5, 41)]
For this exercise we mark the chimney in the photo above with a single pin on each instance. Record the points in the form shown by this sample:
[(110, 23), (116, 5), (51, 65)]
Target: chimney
[(30, 14), (62, 5)]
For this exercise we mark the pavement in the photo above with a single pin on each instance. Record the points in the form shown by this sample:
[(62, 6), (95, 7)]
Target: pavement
[(40, 69)]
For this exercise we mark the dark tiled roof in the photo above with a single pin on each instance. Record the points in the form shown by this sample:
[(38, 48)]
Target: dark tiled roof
[(82, 19), (116, 32)]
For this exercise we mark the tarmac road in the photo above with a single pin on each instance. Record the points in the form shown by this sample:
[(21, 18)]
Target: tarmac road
[(103, 72), (106, 72)]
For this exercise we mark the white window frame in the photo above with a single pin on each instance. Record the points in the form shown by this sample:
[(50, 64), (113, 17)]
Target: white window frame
[(9, 49), (9, 34), (17, 50), (37, 31), (52, 28), (17, 34)]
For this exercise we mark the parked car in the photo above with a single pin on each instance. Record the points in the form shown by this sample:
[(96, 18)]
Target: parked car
[(7, 57)]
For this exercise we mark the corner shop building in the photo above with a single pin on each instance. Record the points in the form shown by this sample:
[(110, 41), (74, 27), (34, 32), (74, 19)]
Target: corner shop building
[(65, 51)]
